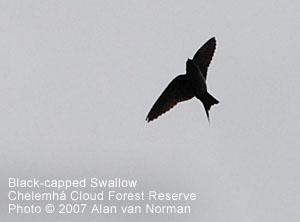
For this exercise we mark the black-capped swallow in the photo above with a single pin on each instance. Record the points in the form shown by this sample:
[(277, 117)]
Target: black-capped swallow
[(186, 86)]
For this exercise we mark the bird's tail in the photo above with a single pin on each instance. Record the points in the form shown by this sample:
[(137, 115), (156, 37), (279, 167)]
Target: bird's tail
[(208, 100)]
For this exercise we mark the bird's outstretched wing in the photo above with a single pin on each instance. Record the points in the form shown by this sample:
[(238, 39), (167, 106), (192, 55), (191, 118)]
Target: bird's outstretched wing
[(177, 91), (204, 55)]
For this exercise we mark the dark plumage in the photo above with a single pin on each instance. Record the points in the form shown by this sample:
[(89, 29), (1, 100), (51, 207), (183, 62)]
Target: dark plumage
[(186, 86)]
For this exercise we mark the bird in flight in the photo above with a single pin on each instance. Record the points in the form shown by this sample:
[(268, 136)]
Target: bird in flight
[(186, 86)]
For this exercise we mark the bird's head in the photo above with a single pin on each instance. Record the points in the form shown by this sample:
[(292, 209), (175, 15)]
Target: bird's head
[(190, 66)]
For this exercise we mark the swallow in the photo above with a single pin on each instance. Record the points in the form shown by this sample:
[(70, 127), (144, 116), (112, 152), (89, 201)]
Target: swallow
[(186, 86)]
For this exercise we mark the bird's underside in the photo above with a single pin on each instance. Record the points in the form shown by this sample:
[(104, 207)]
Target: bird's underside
[(183, 87)]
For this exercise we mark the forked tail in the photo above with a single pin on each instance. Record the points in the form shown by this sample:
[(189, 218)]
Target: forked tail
[(208, 100)]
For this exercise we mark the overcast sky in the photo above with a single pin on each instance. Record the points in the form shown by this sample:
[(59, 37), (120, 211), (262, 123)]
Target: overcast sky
[(77, 79)]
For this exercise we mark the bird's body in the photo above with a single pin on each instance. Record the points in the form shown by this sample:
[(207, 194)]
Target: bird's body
[(198, 83), (186, 86)]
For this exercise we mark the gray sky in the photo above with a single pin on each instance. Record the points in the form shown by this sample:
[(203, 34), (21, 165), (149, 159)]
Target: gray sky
[(78, 78)]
